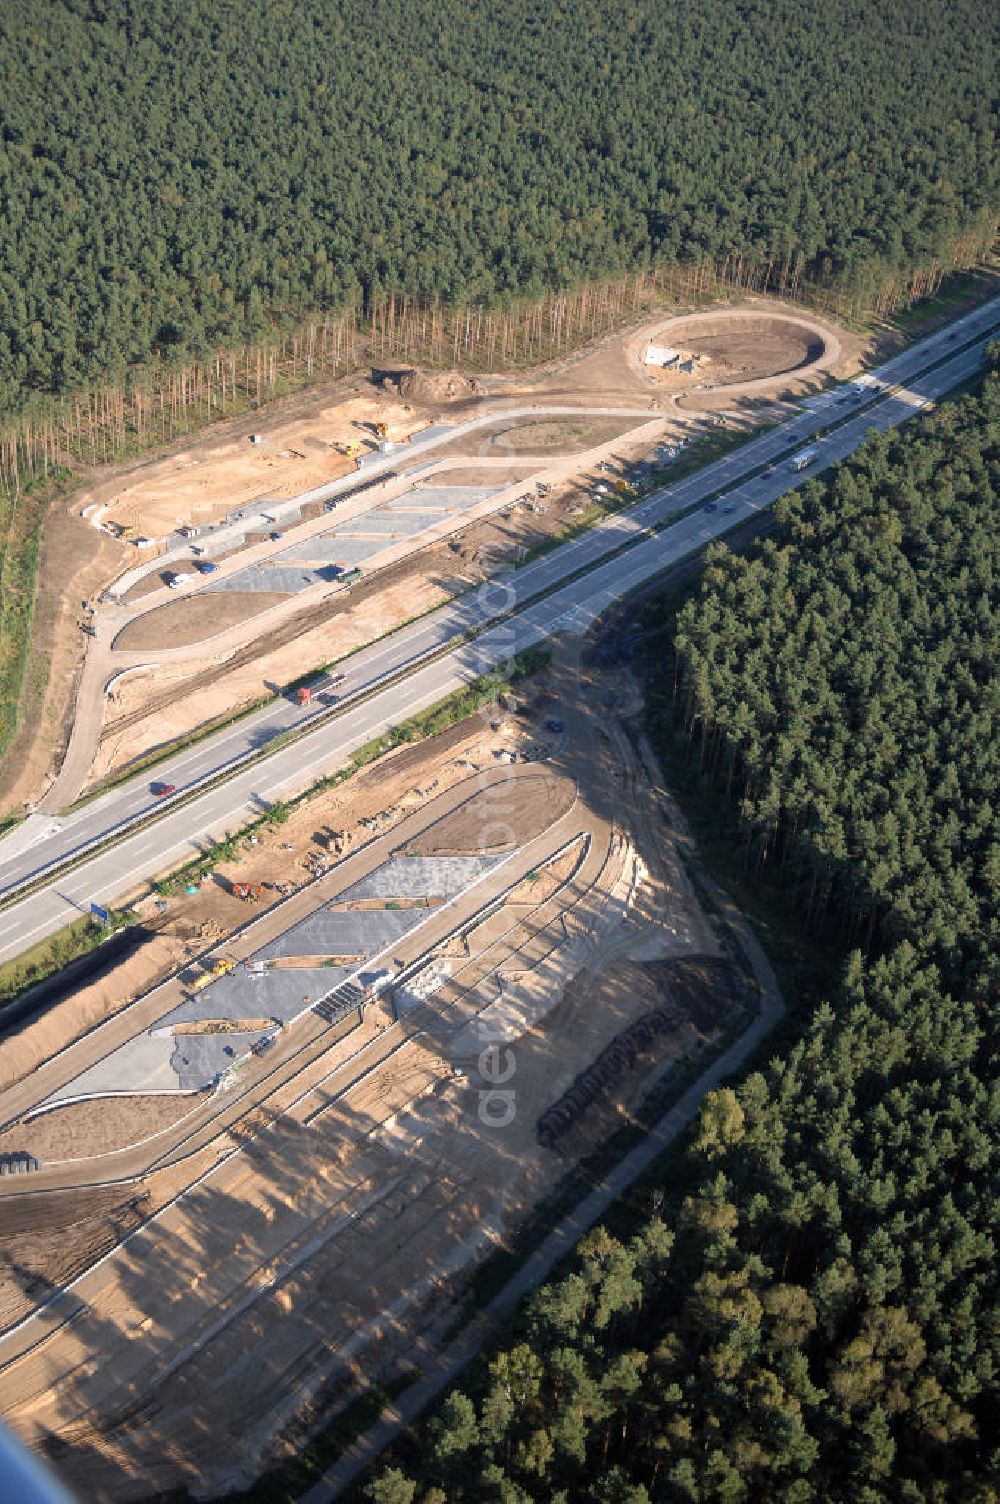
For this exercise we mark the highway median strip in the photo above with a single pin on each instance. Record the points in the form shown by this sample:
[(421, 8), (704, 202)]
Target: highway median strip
[(447, 712), (284, 739)]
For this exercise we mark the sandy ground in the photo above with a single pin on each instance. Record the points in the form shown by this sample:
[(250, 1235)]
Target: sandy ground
[(46, 1240), (486, 475), (542, 436), (154, 708), (76, 563), (480, 826), (97, 1127), (321, 1255), (185, 696), (757, 351), (731, 357), (211, 475), (398, 781), (603, 372), (209, 479), (23, 1048), (184, 622)]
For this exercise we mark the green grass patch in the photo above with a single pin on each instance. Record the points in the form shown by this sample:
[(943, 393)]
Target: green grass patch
[(959, 288), (448, 712), (704, 450), (593, 513), (51, 955), (958, 291)]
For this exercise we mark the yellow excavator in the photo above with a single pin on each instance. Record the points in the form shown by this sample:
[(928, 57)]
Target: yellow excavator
[(213, 970)]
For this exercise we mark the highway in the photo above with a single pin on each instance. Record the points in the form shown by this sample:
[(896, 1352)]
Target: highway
[(559, 601)]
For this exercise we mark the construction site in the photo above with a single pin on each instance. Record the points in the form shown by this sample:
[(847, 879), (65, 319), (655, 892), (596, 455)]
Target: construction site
[(218, 570), (253, 1163), (319, 1103)]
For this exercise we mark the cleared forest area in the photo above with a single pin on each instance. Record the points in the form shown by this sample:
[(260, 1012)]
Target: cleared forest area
[(802, 1304)]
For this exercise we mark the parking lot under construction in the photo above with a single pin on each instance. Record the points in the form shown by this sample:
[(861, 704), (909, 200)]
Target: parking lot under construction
[(524, 907), (264, 1156)]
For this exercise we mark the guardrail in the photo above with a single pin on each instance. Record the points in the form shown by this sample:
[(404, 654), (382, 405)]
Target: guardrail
[(143, 820)]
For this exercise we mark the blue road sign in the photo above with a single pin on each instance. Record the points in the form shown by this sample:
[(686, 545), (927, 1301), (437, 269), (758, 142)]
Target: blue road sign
[(99, 915)]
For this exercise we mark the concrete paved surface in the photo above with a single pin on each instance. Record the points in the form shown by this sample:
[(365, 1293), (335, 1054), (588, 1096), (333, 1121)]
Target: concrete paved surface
[(441, 1367), (159, 1060), (143, 1064), (178, 1321), (280, 995), (568, 607), (104, 661), (54, 1077), (420, 877), (439, 1370), (349, 543)]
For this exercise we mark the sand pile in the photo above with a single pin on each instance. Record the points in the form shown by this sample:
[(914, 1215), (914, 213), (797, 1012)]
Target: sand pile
[(442, 386)]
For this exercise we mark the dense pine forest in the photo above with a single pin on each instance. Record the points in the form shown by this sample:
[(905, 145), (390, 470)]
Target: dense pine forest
[(812, 1314), (179, 176)]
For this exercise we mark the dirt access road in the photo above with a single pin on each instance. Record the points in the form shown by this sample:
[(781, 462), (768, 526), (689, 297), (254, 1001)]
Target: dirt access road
[(127, 636), (592, 380), (394, 1174)]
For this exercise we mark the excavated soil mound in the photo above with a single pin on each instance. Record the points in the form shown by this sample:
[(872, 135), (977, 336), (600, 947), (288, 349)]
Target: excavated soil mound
[(420, 387)]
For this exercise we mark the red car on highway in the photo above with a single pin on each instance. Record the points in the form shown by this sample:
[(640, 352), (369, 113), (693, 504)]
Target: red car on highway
[(161, 790)]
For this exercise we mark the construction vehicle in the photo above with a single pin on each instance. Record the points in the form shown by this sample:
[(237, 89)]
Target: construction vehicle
[(303, 695), (381, 430), (261, 1046), (350, 450), (248, 892), (350, 576), (211, 972)]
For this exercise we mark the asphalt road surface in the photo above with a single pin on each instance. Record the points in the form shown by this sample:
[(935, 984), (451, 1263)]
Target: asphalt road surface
[(185, 829)]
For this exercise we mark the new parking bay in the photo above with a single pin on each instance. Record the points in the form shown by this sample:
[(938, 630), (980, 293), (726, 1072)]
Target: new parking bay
[(325, 962), (349, 544)]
